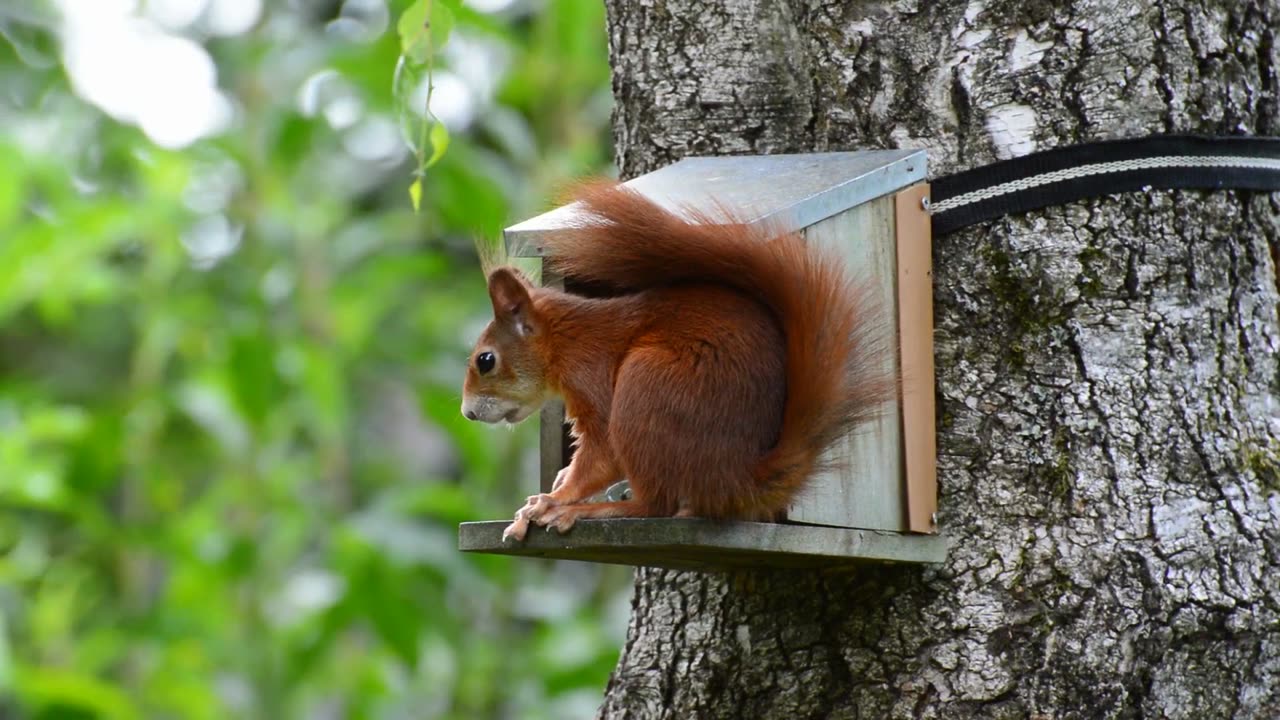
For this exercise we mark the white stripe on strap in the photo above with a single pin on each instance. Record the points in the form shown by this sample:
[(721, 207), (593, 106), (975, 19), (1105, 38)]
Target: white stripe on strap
[(1072, 173)]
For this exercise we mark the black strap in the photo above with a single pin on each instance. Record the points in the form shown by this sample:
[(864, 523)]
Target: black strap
[(1067, 174)]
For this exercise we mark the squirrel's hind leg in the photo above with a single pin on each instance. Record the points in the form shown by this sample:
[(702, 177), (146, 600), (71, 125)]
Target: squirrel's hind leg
[(689, 427)]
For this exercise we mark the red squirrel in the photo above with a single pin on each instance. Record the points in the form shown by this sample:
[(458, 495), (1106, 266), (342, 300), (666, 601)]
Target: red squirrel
[(732, 358)]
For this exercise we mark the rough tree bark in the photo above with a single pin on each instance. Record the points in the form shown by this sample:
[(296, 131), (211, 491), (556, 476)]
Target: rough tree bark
[(1108, 377)]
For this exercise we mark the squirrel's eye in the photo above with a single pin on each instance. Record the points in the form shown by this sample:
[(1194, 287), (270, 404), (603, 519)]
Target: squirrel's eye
[(485, 362)]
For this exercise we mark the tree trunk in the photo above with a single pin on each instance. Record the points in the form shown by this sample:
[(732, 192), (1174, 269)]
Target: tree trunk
[(1108, 378)]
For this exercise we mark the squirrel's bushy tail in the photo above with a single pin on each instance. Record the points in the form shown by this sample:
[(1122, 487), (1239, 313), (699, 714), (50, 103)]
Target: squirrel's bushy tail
[(836, 334)]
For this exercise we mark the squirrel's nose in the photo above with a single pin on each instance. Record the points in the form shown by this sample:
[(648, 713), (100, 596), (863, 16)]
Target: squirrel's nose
[(470, 414)]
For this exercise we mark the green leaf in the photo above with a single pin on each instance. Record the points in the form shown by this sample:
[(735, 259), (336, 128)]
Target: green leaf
[(6, 656), (53, 424), (424, 28), (252, 375), (442, 21), (380, 593), (415, 193), (325, 390), (75, 694), (439, 143), (32, 31), (413, 30), (404, 91), (11, 184)]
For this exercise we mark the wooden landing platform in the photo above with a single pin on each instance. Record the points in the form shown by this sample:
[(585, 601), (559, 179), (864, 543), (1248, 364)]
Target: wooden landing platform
[(694, 544)]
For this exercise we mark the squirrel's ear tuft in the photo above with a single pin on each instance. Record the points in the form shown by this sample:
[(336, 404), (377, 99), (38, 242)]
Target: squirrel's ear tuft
[(509, 292)]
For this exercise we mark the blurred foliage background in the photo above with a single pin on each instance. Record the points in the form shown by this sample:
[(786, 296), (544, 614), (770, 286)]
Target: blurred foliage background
[(231, 458)]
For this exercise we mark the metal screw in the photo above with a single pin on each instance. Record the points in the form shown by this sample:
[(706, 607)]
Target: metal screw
[(924, 203), (934, 518)]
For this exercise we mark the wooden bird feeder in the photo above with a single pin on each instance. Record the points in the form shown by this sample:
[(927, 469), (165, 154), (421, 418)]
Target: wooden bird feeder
[(881, 507)]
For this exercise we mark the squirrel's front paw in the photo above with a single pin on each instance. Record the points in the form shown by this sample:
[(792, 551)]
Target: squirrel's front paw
[(517, 529), (561, 518), (535, 507)]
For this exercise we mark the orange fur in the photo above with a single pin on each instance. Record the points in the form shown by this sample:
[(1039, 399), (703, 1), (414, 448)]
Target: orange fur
[(729, 360)]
